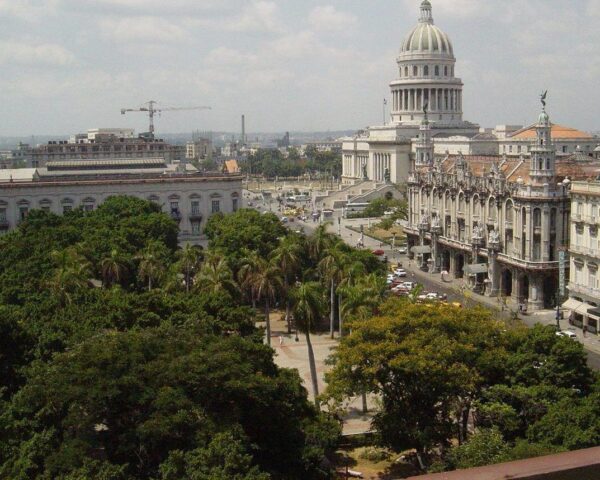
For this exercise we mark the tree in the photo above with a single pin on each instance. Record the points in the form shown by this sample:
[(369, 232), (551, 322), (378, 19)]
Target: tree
[(152, 263), (308, 308), (152, 400), (189, 259), (485, 447), (71, 274), (332, 268), (215, 276), (249, 265), (428, 363), (288, 258), (266, 284), (113, 268)]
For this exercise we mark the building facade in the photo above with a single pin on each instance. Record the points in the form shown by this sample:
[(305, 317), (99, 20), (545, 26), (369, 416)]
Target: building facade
[(188, 196), (497, 221), (584, 250)]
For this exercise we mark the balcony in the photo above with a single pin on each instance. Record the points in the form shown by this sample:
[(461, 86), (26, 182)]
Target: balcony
[(577, 217), (195, 215), (590, 252), (594, 293), (176, 215), (4, 225)]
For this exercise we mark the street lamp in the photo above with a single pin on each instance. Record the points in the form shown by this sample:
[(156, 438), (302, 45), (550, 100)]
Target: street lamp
[(558, 311)]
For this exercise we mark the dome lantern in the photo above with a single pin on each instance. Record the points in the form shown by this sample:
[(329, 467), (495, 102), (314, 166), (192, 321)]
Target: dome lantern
[(426, 15)]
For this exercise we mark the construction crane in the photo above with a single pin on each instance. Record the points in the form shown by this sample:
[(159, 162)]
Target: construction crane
[(152, 109)]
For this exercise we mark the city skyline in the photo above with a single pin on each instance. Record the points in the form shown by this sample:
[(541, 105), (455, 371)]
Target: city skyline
[(322, 65)]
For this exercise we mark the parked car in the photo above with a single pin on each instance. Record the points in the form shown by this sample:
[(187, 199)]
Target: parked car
[(378, 253), (284, 220), (403, 250), (566, 333), (409, 285)]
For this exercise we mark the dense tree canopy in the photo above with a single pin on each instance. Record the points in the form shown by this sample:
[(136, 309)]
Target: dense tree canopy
[(122, 357)]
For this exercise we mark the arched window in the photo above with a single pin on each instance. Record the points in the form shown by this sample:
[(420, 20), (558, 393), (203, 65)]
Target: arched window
[(547, 164), (508, 211), (415, 71), (437, 71), (476, 206), (461, 203), (426, 71), (492, 209), (537, 218)]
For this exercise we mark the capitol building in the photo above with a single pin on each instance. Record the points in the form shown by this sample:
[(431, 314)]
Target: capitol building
[(427, 84)]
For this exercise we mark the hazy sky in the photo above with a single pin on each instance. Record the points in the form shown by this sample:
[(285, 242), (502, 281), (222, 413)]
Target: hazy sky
[(69, 65)]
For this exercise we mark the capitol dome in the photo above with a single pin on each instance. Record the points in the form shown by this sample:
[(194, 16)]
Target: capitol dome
[(426, 38)]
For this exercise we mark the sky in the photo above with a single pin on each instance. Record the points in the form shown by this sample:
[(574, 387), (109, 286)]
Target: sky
[(297, 65)]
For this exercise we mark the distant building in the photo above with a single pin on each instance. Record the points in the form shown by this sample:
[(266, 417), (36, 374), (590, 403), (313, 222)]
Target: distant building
[(188, 196), (99, 144), (200, 149), (584, 250), (285, 141), (325, 146)]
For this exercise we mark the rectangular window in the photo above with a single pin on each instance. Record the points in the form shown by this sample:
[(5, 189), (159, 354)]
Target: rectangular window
[(235, 204), (2, 214), (23, 211), (88, 207), (579, 208), (216, 206), (564, 149), (592, 280), (195, 228), (595, 211), (174, 206), (196, 207), (577, 274)]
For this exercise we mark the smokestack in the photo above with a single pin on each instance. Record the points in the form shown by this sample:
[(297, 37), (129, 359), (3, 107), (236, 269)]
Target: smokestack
[(243, 129)]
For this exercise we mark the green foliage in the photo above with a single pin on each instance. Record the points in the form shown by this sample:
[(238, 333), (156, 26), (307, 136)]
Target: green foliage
[(272, 163), (123, 358), (379, 206), (242, 231), (485, 447)]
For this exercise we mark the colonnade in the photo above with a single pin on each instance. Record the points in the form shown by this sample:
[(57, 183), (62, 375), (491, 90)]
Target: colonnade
[(353, 165), (438, 99), (381, 163)]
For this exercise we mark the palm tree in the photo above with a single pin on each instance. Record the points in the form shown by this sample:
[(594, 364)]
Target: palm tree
[(332, 268), (319, 241), (352, 271), (309, 305), (250, 264), (72, 273), (189, 258), (151, 267), (287, 256), (215, 276), (266, 283), (113, 268)]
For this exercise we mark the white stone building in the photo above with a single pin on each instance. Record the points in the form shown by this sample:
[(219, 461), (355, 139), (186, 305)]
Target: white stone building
[(188, 196), (426, 81), (584, 281), (500, 221)]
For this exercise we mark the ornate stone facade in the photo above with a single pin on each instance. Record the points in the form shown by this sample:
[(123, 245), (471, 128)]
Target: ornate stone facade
[(499, 222)]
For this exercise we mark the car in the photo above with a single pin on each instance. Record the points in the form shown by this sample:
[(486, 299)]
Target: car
[(250, 204), (378, 253), (400, 273), (402, 250), (409, 285), (284, 220), (566, 333)]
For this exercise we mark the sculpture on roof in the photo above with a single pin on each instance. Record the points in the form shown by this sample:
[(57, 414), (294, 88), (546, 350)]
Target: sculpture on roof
[(543, 98), (494, 168), (494, 236), (435, 222), (365, 174)]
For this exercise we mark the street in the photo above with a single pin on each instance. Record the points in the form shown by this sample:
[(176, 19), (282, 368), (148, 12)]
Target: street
[(430, 283)]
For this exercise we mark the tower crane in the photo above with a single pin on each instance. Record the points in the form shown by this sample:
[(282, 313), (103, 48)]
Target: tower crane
[(152, 109)]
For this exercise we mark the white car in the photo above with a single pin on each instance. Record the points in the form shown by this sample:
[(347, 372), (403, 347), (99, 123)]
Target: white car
[(400, 273), (402, 250), (566, 333)]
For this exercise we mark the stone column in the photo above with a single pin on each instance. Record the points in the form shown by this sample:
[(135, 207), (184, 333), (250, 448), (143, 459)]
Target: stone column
[(536, 293), (436, 231), (493, 269), (545, 237)]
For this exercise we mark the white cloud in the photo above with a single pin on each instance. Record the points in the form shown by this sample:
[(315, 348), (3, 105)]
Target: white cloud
[(328, 18), (12, 52), (142, 29), (456, 8), (27, 10), (259, 16), (224, 56)]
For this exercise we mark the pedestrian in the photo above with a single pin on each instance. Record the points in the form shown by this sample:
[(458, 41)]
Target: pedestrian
[(584, 331), (280, 340)]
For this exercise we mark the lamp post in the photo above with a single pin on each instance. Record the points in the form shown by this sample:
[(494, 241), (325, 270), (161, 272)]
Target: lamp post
[(558, 311)]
